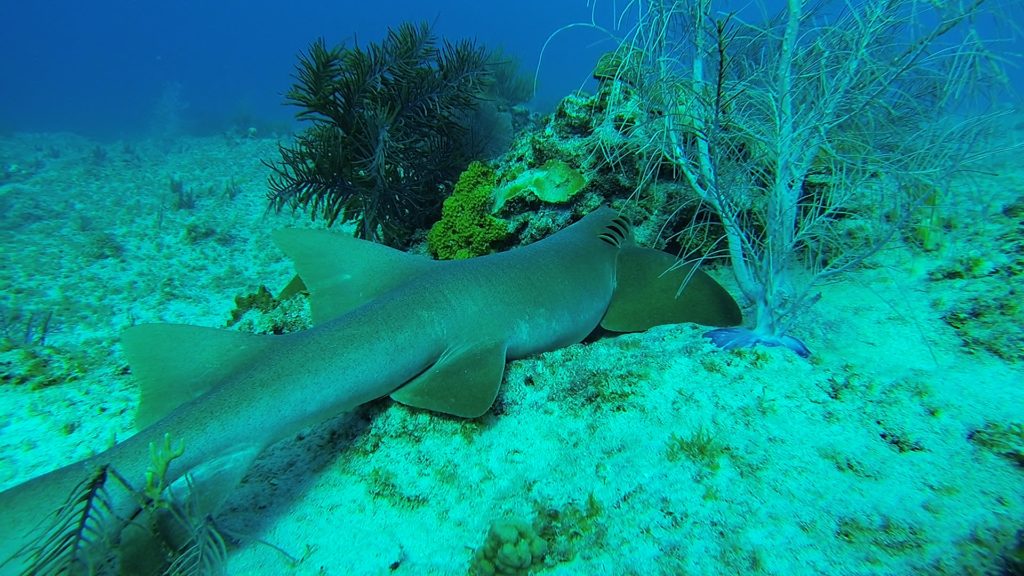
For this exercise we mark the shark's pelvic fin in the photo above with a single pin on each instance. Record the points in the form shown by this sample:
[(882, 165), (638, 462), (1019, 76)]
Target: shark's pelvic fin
[(463, 382), (647, 294), (342, 272), (174, 363)]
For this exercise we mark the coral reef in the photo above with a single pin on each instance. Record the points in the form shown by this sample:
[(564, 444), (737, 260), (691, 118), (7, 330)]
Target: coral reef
[(553, 183), (511, 548), (1006, 440), (391, 128), (466, 228)]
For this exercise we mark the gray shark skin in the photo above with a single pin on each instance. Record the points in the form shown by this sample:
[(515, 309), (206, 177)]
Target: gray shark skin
[(432, 335)]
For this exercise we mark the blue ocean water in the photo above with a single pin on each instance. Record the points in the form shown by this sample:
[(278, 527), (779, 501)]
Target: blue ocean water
[(105, 68), (102, 68)]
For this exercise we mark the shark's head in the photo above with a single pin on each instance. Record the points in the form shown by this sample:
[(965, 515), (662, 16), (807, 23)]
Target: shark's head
[(654, 287), (650, 287)]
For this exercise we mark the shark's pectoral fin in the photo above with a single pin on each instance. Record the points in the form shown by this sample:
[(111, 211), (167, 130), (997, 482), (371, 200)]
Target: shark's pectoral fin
[(203, 489), (463, 382), (186, 522), (174, 363), (342, 272), (647, 294)]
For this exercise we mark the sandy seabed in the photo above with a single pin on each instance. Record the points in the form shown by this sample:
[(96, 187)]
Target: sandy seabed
[(650, 453)]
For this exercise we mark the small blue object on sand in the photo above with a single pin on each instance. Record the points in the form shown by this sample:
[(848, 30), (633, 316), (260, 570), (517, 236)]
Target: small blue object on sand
[(733, 338)]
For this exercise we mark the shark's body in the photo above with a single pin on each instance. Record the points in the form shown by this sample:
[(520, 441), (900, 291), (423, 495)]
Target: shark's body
[(434, 335)]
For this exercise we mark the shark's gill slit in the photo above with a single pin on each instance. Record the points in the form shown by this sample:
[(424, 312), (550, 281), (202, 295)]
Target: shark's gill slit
[(623, 225), (616, 231)]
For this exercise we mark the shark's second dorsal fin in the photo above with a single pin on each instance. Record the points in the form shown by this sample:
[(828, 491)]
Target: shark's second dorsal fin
[(342, 272), (647, 294), (464, 382), (174, 363)]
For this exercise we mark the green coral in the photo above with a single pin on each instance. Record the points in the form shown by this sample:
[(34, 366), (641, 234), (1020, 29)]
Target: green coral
[(700, 447), (466, 228), (554, 182), (38, 366), (160, 458), (1006, 440), (261, 300), (511, 547), (893, 535), (571, 528), (622, 65), (260, 313), (384, 484)]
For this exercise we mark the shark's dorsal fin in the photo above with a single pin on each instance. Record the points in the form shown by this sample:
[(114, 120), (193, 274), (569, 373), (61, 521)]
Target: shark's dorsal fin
[(646, 294), (463, 382), (174, 363), (342, 272)]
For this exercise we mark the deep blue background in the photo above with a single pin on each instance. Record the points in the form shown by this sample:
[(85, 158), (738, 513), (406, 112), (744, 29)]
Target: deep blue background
[(101, 67)]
